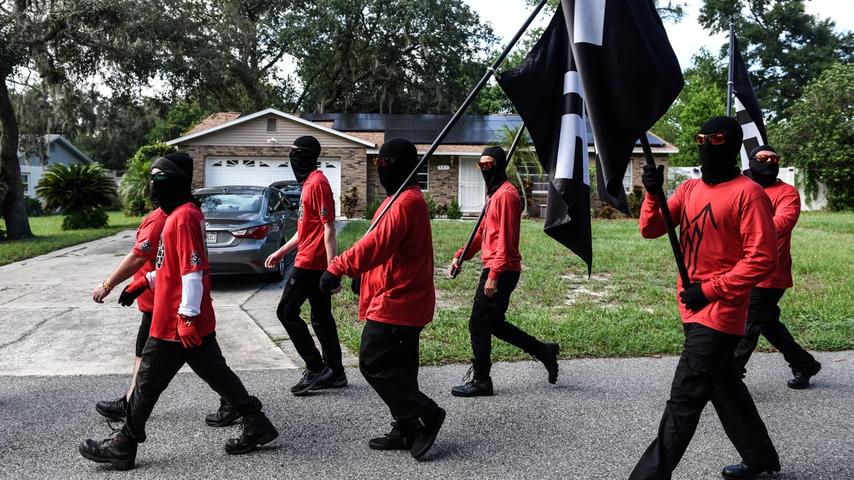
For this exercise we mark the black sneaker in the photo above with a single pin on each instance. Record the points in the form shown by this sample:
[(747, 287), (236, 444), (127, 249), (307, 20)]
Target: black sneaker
[(802, 379), (257, 431), (426, 432), (393, 440), (113, 409), (335, 380), (225, 416), (309, 380), (118, 451), (742, 471), (550, 361)]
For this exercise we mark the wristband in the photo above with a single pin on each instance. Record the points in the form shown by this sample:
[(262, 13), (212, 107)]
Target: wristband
[(106, 286)]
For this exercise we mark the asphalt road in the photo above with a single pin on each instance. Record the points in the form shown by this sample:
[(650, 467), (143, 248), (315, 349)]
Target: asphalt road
[(593, 425)]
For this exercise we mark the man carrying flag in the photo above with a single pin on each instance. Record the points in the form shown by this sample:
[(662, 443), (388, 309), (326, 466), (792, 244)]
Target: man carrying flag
[(728, 238), (498, 239)]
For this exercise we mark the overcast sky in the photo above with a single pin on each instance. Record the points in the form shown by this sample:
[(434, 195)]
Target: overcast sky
[(687, 37)]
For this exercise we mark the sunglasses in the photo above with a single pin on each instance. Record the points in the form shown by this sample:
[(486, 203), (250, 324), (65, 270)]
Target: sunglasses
[(768, 158), (713, 138), (484, 166), (383, 162), (156, 177)]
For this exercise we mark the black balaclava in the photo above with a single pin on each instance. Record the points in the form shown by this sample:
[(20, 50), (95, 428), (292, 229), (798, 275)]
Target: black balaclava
[(763, 173), (172, 188), (403, 156), (304, 157), (497, 175), (720, 162)]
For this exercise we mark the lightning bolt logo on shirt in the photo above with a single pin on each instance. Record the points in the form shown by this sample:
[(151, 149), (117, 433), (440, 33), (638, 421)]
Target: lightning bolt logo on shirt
[(692, 233)]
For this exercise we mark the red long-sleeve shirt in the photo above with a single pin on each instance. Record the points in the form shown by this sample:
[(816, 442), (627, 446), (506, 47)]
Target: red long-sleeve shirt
[(497, 237), (786, 204), (147, 241), (396, 264), (728, 239), (316, 209)]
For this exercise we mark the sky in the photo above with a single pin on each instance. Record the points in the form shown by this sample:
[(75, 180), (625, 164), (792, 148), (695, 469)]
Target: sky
[(687, 37)]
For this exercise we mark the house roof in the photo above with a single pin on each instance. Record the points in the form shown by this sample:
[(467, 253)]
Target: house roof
[(214, 120), (423, 129), (55, 137), (224, 123)]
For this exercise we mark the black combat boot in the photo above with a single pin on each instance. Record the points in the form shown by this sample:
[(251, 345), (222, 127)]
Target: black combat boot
[(119, 451), (257, 430), (396, 439), (802, 379), (549, 359), (479, 385), (426, 430), (225, 416), (113, 409), (742, 471)]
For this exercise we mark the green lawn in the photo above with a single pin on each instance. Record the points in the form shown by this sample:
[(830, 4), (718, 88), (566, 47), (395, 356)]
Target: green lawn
[(628, 307), (49, 237)]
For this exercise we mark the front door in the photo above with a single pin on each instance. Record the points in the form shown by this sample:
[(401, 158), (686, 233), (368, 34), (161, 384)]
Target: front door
[(472, 189)]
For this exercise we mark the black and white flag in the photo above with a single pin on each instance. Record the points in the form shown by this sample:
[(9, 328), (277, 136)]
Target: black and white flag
[(610, 60), (747, 110)]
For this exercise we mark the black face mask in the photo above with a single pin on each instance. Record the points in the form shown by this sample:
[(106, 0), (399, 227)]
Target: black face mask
[(497, 175), (396, 160), (169, 191), (763, 173), (303, 162), (720, 162), (392, 176)]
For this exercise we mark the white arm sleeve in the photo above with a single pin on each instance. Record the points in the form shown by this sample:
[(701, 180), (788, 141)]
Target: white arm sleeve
[(151, 276), (191, 294)]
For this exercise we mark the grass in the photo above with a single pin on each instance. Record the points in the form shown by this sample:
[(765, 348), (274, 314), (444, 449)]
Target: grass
[(628, 307), (49, 236)]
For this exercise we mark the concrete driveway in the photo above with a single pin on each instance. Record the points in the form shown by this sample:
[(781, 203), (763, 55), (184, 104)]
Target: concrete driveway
[(49, 324)]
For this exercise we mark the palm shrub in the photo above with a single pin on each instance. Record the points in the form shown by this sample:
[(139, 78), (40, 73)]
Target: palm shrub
[(80, 191), (133, 187)]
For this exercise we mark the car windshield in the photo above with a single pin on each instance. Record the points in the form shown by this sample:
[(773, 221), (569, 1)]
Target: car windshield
[(230, 202)]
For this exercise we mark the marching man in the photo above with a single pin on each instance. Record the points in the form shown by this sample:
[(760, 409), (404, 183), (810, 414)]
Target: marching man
[(396, 300), (497, 238), (728, 238), (763, 316), (182, 326), (316, 247)]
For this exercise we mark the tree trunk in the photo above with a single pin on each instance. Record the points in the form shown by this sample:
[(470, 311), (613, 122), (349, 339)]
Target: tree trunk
[(12, 206)]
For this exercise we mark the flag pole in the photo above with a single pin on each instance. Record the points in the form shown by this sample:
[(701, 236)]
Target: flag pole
[(460, 111), (456, 271), (668, 220), (731, 74)]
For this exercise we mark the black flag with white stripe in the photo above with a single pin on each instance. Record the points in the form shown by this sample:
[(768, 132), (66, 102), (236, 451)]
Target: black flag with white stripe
[(546, 91), (747, 109)]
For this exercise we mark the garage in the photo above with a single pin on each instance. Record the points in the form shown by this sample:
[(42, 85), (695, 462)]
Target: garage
[(262, 171)]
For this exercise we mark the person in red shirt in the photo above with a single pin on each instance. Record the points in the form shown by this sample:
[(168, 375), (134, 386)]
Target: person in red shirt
[(763, 315), (394, 263), (316, 247), (182, 325), (497, 238), (727, 237), (136, 264)]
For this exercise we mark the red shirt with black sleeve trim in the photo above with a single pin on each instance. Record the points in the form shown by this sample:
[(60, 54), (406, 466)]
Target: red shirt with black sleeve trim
[(147, 241), (316, 209), (182, 250), (497, 237), (728, 239), (786, 203), (396, 263)]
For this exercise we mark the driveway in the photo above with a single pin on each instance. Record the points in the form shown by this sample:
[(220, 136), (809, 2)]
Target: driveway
[(49, 324)]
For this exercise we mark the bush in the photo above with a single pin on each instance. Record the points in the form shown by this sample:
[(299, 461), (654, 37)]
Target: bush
[(86, 218), (350, 202), (431, 205), (442, 210), (607, 212), (74, 188), (635, 201), (454, 210), (133, 187), (34, 207), (371, 209)]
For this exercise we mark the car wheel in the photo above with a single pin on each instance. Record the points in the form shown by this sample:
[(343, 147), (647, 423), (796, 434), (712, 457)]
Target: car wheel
[(278, 274)]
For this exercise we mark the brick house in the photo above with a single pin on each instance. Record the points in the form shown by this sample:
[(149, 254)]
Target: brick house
[(233, 149)]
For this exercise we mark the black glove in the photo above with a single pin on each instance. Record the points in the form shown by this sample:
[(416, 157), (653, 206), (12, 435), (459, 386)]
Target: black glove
[(653, 178), (329, 282), (356, 284), (128, 296), (693, 297)]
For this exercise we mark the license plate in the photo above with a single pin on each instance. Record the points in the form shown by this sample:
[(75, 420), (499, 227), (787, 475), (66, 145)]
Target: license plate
[(211, 237)]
